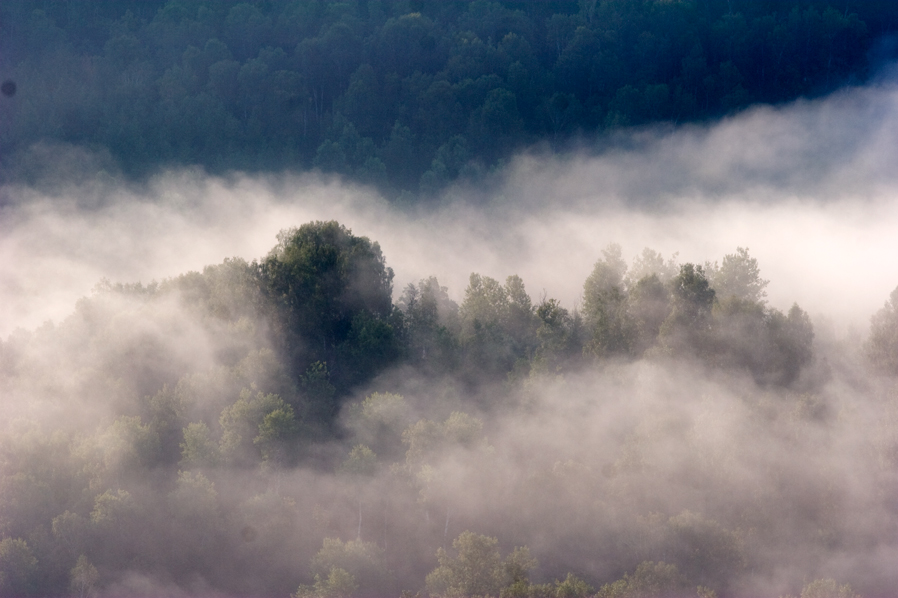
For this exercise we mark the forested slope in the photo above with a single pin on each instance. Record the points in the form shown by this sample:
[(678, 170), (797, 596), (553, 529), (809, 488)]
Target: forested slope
[(408, 96)]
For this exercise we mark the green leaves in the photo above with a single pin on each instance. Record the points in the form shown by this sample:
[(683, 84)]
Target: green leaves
[(739, 276), (330, 294), (882, 346), (84, 577), (827, 588), (339, 583), (605, 306), (650, 580), (474, 569), (342, 567), (263, 421)]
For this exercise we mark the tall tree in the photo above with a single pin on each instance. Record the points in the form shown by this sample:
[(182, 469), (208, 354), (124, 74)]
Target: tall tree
[(689, 324), (331, 298), (738, 276), (882, 346), (605, 306), (475, 568)]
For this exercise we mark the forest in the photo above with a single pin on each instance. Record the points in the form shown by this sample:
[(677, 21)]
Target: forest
[(493, 320), (406, 95), (282, 426)]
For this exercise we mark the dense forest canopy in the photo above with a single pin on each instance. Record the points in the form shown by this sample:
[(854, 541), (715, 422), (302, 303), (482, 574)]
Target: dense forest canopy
[(405, 95)]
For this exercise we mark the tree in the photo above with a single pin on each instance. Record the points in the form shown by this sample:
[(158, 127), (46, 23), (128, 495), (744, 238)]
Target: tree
[(792, 338), (517, 572), (362, 561), (338, 584), (377, 422), (84, 577), (651, 262), (689, 324), (361, 461), (572, 587), (497, 324), (649, 306), (518, 565), (704, 551), (738, 276), (428, 441), (882, 346), (198, 448), (194, 496), (361, 464), (827, 588), (277, 429), (113, 509), (650, 580), (70, 531), (264, 421), (319, 393), (427, 438), (129, 444), (558, 337), (326, 287), (605, 306), (475, 568), (431, 322)]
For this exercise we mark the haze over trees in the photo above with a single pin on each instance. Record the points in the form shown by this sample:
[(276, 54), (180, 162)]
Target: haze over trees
[(302, 424), (405, 95), (231, 428)]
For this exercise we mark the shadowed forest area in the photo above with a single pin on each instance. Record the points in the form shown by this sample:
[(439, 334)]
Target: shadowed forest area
[(283, 426), (407, 96)]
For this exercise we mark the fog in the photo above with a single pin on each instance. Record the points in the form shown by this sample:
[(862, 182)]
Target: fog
[(808, 187), (596, 471)]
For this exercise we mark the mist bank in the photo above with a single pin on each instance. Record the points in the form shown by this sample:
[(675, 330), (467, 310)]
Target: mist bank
[(215, 408), (807, 187)]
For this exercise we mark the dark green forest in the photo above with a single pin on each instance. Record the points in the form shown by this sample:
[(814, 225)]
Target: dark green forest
[(282, 426), (407, 96)]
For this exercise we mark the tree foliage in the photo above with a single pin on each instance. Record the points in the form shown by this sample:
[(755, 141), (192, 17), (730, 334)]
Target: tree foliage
[(331, 298), (650, 580), (882, 345), (827, 588), (473, 569), (407, 97)]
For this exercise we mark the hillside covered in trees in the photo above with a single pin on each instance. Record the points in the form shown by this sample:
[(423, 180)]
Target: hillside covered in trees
[(404, 95), (282, 426)]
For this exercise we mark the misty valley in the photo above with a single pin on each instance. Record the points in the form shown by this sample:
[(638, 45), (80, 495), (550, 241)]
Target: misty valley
[(284, 426)]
